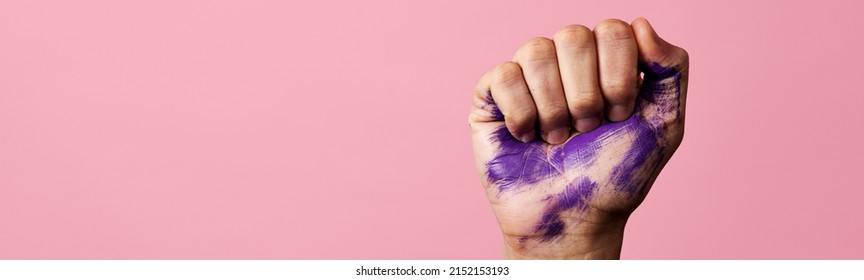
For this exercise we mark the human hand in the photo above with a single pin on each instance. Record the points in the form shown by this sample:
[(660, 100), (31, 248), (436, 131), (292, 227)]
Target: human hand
[(568, 138)]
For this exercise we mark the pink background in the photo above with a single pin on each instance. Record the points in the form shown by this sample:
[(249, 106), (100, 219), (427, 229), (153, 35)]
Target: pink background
[(337, 130)]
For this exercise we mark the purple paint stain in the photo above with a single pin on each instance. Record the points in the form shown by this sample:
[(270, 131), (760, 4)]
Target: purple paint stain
[(644, 145), (493, 108), (519, 165), (576, 196)]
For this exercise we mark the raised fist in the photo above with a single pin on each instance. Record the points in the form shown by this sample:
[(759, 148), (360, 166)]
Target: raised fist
[(569, 137)]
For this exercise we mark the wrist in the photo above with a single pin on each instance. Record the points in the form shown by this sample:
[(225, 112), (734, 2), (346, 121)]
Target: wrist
[(586, 241)]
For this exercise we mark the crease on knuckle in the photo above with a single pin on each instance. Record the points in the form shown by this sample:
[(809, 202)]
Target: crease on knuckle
[(619, 88), (574, 36), (555, 114), (538, 49), (507, 73), (586, 106), (521, 116), (613, 30)]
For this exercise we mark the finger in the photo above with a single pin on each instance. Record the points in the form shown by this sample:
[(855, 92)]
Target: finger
[(577, 61), (666, 73), (540, 68), (484, 109), (514, 101), (617, 55), (654, 50)]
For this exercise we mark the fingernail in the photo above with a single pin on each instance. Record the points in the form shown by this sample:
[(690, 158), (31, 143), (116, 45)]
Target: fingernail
[(619, 113), (558, 136), (587, 124), (527, 137)]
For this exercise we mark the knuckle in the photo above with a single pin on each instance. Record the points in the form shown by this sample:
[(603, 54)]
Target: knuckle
[(586, 106), (574, 36), (619, 84), (685, 57), (480, 88), (538, 49), (480, 91), (679, 58), (523, 115), (619, 92), (613, 29), (506, 73), (555, 114)]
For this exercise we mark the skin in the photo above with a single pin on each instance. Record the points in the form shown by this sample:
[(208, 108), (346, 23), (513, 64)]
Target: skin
[(569, 136)]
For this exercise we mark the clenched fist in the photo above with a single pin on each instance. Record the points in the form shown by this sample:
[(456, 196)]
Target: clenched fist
[(569, 136)]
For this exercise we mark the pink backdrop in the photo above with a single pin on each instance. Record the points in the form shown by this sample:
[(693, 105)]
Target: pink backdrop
[(337, 130)]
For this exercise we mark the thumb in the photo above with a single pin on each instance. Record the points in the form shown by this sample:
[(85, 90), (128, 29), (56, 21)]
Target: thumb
[(658, 58), (664, 88)]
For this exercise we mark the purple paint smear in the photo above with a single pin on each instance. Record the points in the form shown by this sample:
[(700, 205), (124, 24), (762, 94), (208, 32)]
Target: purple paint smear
[(576, 196), (517, 165)]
